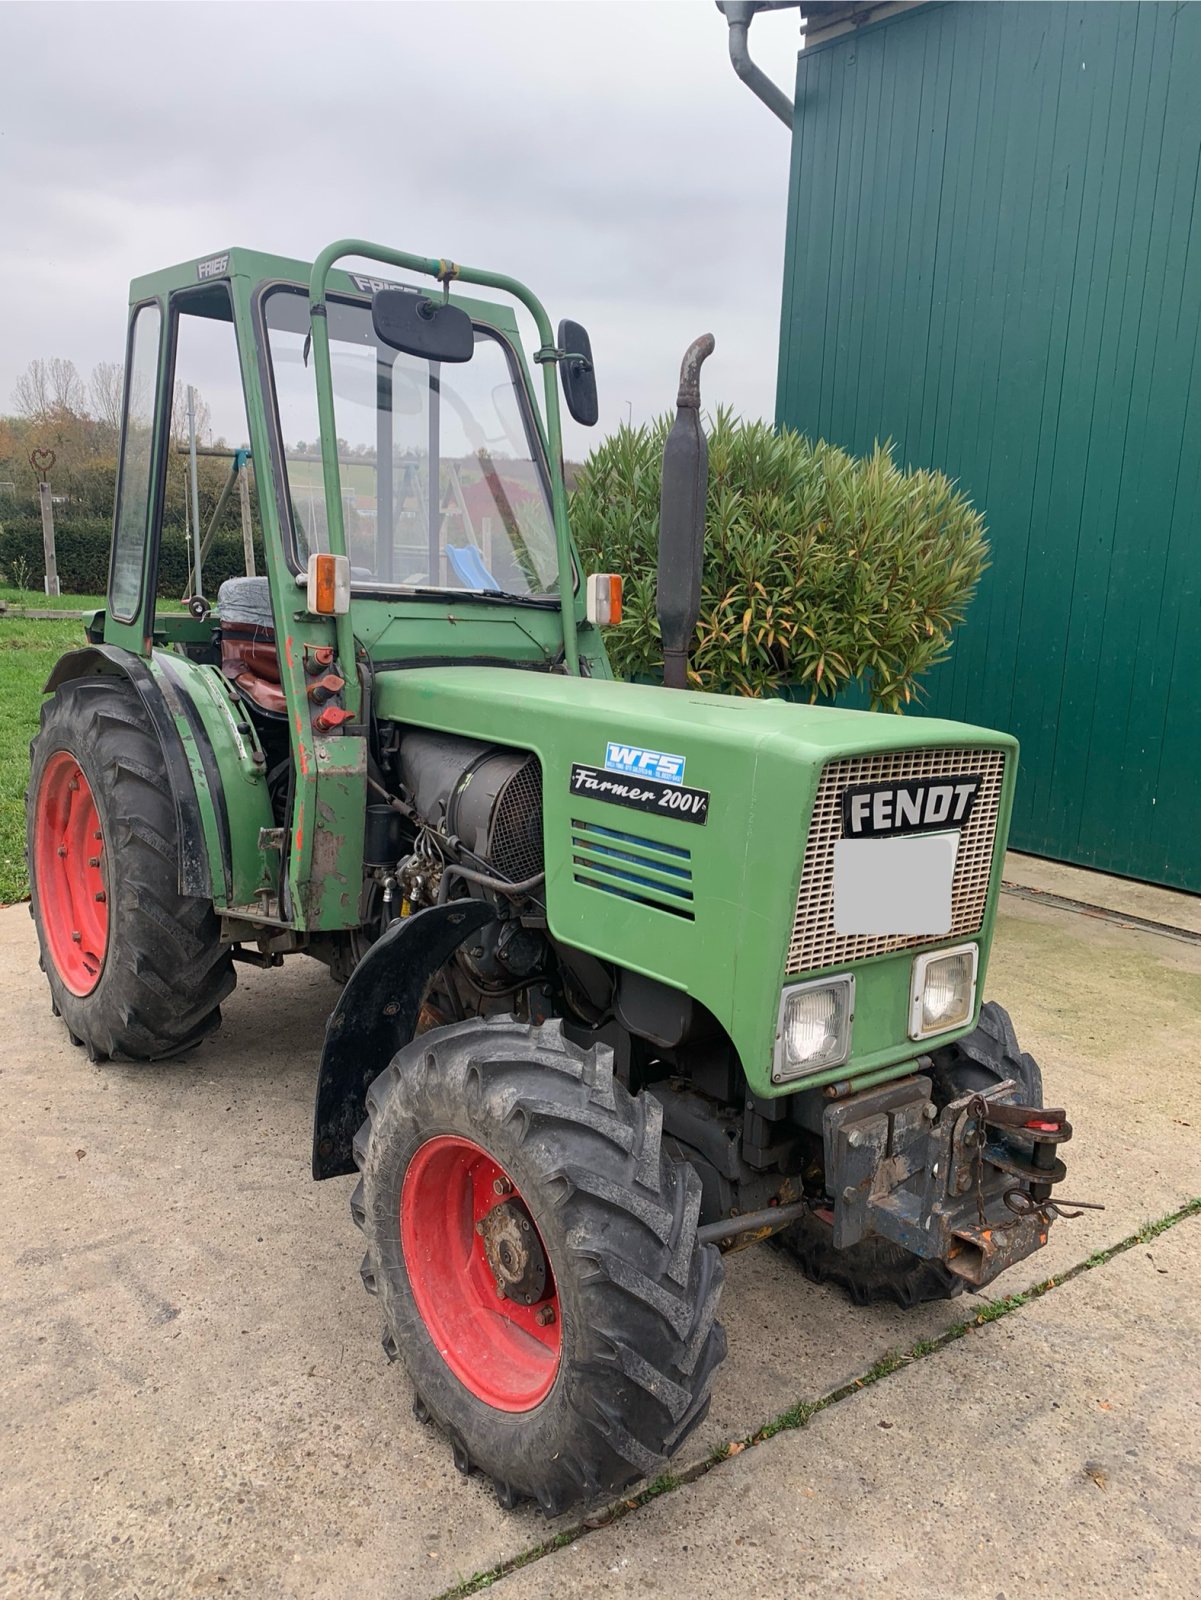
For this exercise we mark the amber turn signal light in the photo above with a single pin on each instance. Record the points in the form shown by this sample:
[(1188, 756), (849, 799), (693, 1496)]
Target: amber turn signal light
[(328, 587), (604, 599)]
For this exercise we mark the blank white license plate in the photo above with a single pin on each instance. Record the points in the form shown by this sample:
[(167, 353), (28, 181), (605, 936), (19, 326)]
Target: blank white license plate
[(900, 885)]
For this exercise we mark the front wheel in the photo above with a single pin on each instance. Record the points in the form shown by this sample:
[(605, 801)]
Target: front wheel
[(535, 1252)]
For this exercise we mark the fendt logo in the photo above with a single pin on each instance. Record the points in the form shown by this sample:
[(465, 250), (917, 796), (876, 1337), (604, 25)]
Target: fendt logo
[(639, 763), (921, 805)]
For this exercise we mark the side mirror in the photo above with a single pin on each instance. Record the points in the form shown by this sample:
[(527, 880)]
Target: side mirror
[(578, 374), (420, 327)]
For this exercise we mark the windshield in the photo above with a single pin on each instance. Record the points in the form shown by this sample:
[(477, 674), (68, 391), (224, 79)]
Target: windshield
[(441, 484)]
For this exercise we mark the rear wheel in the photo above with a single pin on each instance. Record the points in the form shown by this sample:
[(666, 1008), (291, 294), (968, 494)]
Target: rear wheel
[(135, 968), (535, 1252), (875, 1268)]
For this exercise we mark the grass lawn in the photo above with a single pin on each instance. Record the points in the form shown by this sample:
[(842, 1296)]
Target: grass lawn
[(35, 600), (28, 650)]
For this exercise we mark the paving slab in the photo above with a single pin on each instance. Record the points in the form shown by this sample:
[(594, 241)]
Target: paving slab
[(1123, 896), (1053, 1453), (1114, 1019), (193, 1398)]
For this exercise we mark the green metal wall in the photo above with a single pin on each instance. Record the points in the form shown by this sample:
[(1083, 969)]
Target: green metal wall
[(994, 258)]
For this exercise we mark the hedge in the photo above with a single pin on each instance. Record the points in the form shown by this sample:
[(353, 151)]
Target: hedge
[(82, 548)]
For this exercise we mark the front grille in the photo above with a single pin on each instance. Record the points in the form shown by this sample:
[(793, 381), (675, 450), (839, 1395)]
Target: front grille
[(814, 943)]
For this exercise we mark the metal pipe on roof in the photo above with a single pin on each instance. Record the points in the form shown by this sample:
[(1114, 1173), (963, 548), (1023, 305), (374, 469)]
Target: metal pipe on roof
[(739, 13)]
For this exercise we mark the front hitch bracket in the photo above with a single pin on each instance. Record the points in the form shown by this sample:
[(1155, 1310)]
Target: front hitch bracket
[(969, 1185)]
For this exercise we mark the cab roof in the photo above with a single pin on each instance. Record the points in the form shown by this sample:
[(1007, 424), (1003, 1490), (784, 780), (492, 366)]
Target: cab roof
[(257, 267)]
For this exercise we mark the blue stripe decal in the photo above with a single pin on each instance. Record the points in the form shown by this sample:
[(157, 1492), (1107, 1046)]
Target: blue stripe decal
[(632, 838)]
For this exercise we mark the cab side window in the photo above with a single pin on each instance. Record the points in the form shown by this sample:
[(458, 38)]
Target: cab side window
[(137, 461)]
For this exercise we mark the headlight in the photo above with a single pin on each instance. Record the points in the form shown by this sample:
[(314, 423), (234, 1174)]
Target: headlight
[(814, 1028), (943, 995)]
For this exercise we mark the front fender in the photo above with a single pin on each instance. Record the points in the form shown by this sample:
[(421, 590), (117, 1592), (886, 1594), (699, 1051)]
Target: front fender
[(214, 767), (375, 1016)]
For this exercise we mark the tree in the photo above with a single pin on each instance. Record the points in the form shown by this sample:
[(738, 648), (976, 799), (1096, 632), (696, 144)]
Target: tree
[(50, 390), (179, 416), (106, 388)]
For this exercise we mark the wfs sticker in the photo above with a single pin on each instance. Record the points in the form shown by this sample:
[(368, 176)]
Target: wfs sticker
[(635, 762)]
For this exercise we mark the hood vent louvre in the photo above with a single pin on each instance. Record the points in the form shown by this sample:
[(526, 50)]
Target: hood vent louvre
[(631, 867)]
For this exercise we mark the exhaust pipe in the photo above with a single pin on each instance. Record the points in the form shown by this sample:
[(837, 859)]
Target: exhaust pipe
[(682, 497)]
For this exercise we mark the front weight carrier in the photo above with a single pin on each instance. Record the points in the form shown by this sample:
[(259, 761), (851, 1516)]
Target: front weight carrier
[(970, 1186)]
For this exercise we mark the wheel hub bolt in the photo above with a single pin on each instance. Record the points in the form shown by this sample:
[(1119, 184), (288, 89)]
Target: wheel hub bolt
[(97, 834), (544, 1316), (501, 1186), (77, 938), (73, 785), (93, 861), (101, 896)]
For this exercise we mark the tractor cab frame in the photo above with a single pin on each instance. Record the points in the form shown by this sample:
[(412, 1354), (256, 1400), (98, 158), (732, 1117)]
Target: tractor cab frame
[(305, 876)]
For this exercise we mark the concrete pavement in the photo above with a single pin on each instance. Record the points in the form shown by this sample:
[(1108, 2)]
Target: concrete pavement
[(193, 1398), (1056, 1452)]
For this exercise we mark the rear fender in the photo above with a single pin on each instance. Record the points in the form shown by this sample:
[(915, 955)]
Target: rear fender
[(212, 764), (375, 1016)]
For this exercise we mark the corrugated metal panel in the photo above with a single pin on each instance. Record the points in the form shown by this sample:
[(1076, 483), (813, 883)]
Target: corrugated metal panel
[(994, 258)]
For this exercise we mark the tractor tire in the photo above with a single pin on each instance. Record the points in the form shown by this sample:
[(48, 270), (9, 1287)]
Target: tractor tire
[(985, 1057), (565, 1338), (875, 1268), (135, 968)]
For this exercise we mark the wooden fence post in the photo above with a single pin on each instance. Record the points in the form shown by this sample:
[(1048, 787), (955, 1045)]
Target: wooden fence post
[(41, 461)]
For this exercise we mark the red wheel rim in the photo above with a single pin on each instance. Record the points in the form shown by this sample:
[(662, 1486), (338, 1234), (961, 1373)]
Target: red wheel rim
[(68, 854), (505, 1353)]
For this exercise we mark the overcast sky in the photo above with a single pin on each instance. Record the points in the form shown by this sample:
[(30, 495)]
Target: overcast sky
[(602, 151)]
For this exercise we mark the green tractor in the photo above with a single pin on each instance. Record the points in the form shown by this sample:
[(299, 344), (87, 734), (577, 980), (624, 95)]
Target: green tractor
[(630, 975)]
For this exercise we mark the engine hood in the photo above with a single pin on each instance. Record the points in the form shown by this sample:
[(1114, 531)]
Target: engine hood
[(675, 822)]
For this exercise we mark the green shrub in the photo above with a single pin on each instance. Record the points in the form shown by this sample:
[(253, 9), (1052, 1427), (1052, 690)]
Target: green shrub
[(820, 568), (82, 545)]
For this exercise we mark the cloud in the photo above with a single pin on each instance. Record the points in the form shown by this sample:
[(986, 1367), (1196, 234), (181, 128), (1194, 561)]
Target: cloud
[(605, 153)]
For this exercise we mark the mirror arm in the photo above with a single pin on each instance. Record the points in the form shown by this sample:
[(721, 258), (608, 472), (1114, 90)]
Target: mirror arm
[(544, 355)]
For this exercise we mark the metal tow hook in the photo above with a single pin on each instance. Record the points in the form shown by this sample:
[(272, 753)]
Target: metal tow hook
[(1047, 1126)]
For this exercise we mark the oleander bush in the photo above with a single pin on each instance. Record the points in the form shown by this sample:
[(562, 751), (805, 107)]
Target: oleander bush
[(822, 569)]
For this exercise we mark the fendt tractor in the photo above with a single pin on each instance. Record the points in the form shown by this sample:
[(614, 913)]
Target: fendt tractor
[(630, 974)]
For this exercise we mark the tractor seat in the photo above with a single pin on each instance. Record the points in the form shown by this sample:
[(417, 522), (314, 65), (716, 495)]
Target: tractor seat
[(249, 658)]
